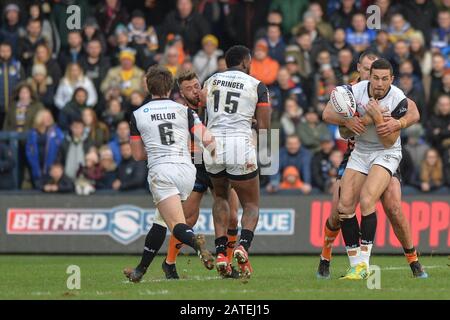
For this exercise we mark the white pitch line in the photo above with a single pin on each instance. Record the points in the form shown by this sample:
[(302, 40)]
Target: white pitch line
[(407, 268)]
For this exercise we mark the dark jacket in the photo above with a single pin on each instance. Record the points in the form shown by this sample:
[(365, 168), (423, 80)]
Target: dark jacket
[(66, 57), (65, 184), (72, 111), (106, 181), (320, 168), (26, 52), (11, 73), (96, 72), (438, 131), (132, 174), (301, 160), (54, 71), (423, 17), (53, 143), (192, 29), (7, 165)]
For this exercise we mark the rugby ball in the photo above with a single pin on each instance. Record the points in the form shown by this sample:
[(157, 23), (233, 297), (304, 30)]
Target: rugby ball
[(343, 101)]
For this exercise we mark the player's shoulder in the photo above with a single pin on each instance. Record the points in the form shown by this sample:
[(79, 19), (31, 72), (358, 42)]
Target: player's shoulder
[(360, 86), (396, 92)]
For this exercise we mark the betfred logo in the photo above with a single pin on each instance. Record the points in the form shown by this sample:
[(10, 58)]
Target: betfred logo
[(125, 224), (429, 223)]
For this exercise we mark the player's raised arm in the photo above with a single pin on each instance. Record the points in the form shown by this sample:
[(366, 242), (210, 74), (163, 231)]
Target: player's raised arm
[(137, 146), (263, 109)]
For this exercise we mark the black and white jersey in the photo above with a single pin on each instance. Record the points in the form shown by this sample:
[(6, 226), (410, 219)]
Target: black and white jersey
[(165, 128), (397, 105), (233, 97)]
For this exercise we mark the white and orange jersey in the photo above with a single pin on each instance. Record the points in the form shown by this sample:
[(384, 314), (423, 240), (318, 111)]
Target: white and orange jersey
[(232, 99)]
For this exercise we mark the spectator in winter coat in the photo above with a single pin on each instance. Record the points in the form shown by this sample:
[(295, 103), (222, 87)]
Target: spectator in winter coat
[(131, 174)]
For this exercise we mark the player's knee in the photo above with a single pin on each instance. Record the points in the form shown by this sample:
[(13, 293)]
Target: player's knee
[(345, 206), (367, 202)]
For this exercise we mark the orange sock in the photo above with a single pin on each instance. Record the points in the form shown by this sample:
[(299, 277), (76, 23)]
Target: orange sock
[(411, 255), (330, 236), (232, 238), (173, 250)]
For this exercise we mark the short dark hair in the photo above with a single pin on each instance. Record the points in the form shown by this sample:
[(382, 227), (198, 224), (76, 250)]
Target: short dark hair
[(186, 75), (371, 55), (30, 21), (382, 64), (159, 80), (236, 54)]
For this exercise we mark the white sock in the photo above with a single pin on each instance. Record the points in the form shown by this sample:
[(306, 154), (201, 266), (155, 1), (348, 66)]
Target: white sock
[(366, 250), (354, 258)]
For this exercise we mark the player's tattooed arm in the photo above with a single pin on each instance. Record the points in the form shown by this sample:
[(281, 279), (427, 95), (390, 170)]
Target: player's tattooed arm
[(351, 126)]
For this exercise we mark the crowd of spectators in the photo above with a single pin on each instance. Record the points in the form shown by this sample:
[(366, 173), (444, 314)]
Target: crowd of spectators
[(71, 92)]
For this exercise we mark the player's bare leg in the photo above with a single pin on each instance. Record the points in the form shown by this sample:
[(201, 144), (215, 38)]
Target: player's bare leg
[(232, 231), (191, 209), (391, 200), (376, 183), (351, 184), (248, 194), (172, 212), (331, 231)]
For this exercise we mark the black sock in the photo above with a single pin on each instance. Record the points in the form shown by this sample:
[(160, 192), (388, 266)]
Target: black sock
[(185, 234), (350, 232), (221, 245), (368, 228), (153, 242), (409, 251), (246, 238)]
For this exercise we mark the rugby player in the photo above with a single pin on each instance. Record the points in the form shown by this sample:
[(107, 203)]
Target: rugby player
[(160, 133), (391, 198), (233, 99), (190, 89)]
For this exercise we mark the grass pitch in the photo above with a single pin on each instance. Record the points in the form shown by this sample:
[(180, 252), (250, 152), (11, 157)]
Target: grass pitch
[(275, 277)]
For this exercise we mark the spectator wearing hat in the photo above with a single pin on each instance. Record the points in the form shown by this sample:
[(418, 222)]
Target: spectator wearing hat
[(74, 78), (205, 61), (131, 174), (23, 109), (74, 52), (42, 145), (439, 124), (56, 181), (311, 129), (121, 42), (95, 64), (12, 72), (188, 23), (7, 165), (110, 14), (263, 67), (42, 85), (27, 45), (73, 109), (127, 76), (12, 30), (276, 43), (293, 155)]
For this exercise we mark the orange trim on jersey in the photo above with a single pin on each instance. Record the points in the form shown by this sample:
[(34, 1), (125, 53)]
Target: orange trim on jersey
[(135, 138), (263, 104)]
